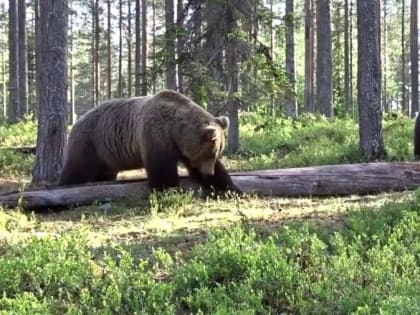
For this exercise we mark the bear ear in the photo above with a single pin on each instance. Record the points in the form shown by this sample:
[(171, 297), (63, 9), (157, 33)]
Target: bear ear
[(209, 133), (223, 121)]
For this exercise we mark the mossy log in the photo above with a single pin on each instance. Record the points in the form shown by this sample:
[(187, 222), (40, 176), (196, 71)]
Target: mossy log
[(329, 180)]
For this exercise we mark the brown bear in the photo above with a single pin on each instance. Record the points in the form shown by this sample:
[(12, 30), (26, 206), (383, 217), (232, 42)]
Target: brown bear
[(151, 132)]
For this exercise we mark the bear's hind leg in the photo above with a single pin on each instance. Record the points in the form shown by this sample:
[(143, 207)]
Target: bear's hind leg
[(84, 166), (162, 171)]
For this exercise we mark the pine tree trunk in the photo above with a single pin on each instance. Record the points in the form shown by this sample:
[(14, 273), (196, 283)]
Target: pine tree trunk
[(309, 58), (109, 52), (137, 59), (72, 116), (351, 60), (153, 78), (120, 78), (346, 58), (52, 94), (97, 30), (369, 79), (180, 44), (414, 55), (144, 45), (94, 100), (291, 105), (324, 61), (129, 83), (37, 57), (23, 59), (14, 108), (384, 59), (170, 45), (404, 105)]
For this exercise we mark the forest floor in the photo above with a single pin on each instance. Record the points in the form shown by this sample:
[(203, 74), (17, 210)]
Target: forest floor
[(184, 221)]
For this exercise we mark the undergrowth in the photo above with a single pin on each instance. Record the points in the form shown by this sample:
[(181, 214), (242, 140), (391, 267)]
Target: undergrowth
[(368, 265)]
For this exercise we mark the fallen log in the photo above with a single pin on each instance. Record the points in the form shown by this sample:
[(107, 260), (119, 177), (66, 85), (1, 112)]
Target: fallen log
[(25, 150), (329, 180)]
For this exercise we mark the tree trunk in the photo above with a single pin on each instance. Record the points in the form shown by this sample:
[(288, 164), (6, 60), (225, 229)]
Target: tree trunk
[(232, 84), (23, 59), (129, 83), (109, 53), (291, 105), (404, 105), (154, 72), (144, 46), (97, 30), (180, 44), (353, 109), (137, 59), (170, 45), (120, 78), (309, 58), (328, 180), (4, 84), (323, 59), (37, 57), (384, 59), (52, 94), (271, 32), (414, 55), (94, 100), (72, 116), (369, 79), (346, 58), (15, 113), (213, 49)]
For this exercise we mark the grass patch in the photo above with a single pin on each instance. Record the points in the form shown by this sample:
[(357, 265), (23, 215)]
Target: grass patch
[(367, 264)]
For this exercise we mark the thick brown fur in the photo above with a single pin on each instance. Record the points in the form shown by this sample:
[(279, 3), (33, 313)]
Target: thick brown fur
[(417, 138), (153, 132)]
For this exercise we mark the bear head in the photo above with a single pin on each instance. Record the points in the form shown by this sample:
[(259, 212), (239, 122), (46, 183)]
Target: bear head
[(206, 142)]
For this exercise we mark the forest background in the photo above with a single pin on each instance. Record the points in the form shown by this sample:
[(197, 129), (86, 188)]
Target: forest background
[(288, 73)]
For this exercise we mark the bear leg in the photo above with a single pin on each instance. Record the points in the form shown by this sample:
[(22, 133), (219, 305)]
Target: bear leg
[(84, 166), (220, 181), (162, 171)]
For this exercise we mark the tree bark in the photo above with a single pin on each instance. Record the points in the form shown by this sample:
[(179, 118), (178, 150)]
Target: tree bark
[(328, 180), (291, 105), (180, 44), (232, 83), (137, 58), (414, 55), (109, 52), (369, 79), (309, 58), (97, 73), (404, 105), (120, 85), (323, 59), (14, 108), (170, 45), (52, 94), (144, 46), (346, 58), (72, 114), (23, 59), (93, 91), (129, 54)]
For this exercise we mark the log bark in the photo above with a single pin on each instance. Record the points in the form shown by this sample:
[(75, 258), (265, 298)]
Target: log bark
[(329, 180), (26, 150)]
